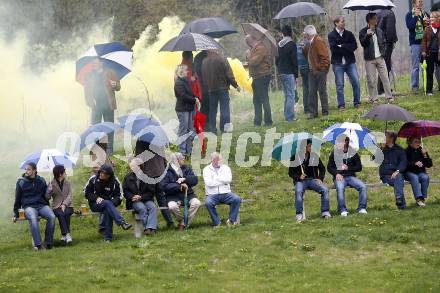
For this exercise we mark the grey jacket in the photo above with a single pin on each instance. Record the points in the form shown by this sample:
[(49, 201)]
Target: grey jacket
[(59, 196)]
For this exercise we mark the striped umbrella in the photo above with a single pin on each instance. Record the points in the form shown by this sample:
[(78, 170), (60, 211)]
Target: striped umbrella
[(49, 158), (95, 132), (360, 137), (114, 56)]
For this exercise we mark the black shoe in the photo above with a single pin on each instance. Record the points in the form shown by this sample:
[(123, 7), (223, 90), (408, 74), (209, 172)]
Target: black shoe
[(357, 105), (311, 116), (326, 113), (48, 246), (170, 224), (125, 225), (341, 108), (101, 231)]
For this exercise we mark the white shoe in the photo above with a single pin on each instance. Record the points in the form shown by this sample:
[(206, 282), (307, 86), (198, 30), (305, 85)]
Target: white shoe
[(326, 215), (63, 238), (229, 223), (363, 211), (420, 203), (344, 214), (299, 218), (68, 238)]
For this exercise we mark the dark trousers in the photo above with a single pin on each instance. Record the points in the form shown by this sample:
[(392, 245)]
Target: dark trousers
[(216, 97), (162, 202), (431, 62), (305, 88), (98, 114), (64, 219), (111, 214), (318, 84), (260, 87), (388, 62), (204, 107)]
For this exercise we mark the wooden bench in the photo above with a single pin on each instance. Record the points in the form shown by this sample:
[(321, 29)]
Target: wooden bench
[(373, 185)]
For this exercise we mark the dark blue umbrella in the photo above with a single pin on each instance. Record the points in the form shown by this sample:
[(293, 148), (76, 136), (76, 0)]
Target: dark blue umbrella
[(95, 132), (144, 129), (114, 56)]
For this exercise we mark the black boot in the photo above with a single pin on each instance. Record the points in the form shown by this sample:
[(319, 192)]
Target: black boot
[(125, 225)]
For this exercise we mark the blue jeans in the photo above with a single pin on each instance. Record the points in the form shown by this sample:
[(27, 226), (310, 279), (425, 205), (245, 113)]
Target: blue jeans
[(356, 184), (230, 199), (289, 85), (398, 184), (419, 183), (305, 86), (415, 65), (108, 115), (45, 212), (215, 97), (111, 214), (148, 213), (353, 76), (311, 184), (186, 128)]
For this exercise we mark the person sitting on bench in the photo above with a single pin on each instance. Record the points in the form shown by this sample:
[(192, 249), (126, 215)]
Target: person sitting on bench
[(140, 197), (418, 161), (104, 193), (30, 195), (344, 162), (393, 167), (309, 175), (218, 177), (178, 180)]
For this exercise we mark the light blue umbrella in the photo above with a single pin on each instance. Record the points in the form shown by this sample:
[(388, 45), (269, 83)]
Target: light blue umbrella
[(144, 129), (95, 132), (360, 137), (48, 158), (287, 146)]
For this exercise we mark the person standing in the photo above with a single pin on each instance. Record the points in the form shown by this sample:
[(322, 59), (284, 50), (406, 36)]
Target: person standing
[(197, 68), (430, 50), (287, 63), (259, 63), (386, 21), (373, 41), (343, 45), (393, 167), (30, 195), (343, 163), (99, 89), (60, 190), (418, 160), (217, 76), (319, 63), (217, 178), (186, 103), (415, 22), (303, 66)]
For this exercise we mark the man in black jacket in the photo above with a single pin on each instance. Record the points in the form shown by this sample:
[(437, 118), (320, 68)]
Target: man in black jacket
[(343, 45), (393, 167), (287, 64), (30, 195), (104, 193), (140, 196), (343, 163), (373, 41), (309, 175), (386, 21)]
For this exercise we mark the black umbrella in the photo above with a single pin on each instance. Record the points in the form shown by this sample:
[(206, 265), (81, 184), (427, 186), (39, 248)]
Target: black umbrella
[(388, 112), (299, 9), (368, 5), (190, 42), (215, 27)]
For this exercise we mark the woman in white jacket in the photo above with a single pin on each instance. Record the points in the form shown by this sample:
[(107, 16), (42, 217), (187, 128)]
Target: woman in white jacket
[(217, 179)]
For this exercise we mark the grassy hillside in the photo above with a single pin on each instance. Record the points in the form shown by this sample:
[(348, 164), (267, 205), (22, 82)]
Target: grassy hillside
[(384, 251)]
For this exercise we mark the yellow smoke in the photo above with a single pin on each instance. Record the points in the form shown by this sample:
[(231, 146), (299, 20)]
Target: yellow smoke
[(241, 75)]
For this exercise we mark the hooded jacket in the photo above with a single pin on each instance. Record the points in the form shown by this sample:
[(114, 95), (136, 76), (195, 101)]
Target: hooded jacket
[(171, 188), (354, 165), (394, 158), (107, 190), (30, 193), (133, 186), (311, 172), (287, 60)]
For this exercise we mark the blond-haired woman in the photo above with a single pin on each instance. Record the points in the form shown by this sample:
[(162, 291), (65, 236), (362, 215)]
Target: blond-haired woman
[(185, 108)]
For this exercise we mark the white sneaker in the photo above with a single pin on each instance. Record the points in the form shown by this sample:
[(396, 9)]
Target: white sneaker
[(63, 238), (299, 218), (326, 215), (229, 223), (420, 203), (363, 211), (344, 214), (68, 238)]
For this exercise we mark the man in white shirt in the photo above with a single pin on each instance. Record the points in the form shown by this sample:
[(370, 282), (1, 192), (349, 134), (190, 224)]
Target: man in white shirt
[(217, 179)]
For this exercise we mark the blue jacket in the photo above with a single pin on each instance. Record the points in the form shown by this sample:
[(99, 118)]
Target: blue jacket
[(171, 188), (302, 61), (30, 193), (394, 159), (411, 22)]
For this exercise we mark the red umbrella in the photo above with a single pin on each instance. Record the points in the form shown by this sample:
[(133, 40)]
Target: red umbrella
[(420, 128)]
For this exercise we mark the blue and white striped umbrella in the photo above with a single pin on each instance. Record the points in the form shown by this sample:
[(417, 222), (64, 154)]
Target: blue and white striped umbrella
[(360, 137), (96, 132), (49, 158), (114, 56)]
